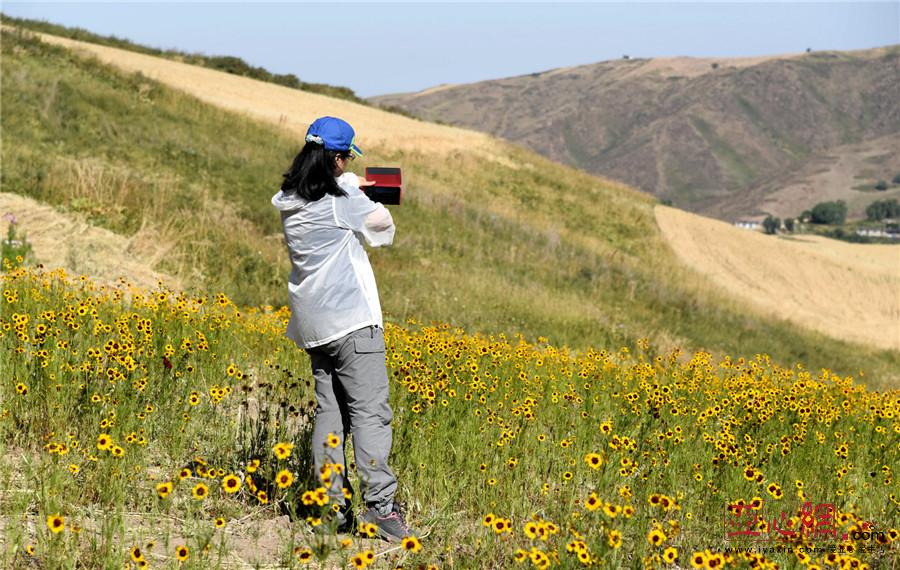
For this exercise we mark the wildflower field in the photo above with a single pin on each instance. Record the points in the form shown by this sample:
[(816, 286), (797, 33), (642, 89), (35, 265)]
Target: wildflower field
[(149, 428)]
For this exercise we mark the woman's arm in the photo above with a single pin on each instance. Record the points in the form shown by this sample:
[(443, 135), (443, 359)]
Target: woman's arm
[(378, 228)]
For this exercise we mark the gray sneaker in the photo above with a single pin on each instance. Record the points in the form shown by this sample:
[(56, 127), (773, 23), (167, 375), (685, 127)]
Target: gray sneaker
[(392, 527)]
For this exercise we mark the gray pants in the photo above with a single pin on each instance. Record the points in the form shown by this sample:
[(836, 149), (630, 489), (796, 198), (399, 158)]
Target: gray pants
[(352, 394)]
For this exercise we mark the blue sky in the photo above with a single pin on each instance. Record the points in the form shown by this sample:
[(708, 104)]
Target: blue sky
[(377, 48)]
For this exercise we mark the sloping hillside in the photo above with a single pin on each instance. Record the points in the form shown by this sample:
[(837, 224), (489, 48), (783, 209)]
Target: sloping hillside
[(826, 285), (491, 237), (698, 132), (845, 172)]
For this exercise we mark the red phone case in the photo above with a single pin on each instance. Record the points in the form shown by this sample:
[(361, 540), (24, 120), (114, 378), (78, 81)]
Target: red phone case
[(388, 188)]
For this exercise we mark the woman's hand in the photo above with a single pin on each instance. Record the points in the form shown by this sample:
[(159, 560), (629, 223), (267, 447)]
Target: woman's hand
[(363, 182)]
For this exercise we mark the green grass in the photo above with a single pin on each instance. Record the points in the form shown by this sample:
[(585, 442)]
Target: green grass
[(779, 139), (736, 167), (528, 246)]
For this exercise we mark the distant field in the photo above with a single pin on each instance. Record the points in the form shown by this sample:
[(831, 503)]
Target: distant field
[(851, 291)]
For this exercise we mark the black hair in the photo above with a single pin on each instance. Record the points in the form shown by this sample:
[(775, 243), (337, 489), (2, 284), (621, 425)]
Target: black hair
[(311, 174)]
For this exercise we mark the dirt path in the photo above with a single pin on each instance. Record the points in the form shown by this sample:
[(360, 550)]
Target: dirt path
[(847, 291), (67, 241)]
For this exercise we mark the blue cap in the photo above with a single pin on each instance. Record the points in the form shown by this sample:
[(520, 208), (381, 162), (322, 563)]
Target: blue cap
[(335, 134)]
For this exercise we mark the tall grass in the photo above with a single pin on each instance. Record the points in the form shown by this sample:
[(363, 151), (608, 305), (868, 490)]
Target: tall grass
[(116, 414)]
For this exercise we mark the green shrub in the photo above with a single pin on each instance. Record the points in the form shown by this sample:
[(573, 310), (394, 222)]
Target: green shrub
[(829, 212), (881, 209)]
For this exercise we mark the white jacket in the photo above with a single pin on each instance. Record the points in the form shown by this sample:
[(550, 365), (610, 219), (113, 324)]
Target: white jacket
[(332, 289)]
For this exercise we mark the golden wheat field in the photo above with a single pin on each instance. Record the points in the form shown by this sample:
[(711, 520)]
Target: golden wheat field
[(289, 108), (849, 291)]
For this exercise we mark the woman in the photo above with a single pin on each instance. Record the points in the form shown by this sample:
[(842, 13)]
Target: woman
[(336, 318)]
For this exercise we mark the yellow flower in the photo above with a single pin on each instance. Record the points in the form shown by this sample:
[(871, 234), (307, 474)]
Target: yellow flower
[(231, 484), (200, 491), (284, 478), (283, 450), (614, 538), (164, 489), (502, 525), (368, 529), (670, 555), (253, 466), (136, 553), (181, 553), (56, 523), (592, 503), (412, 544), (219, 522), (358, 561), (262, 497), (593, 460), (104, 441), (305, 555), (333, 440)]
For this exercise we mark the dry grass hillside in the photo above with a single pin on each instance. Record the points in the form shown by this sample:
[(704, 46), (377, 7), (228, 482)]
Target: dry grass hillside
[(289, 108), (841, 289), (714, 136)]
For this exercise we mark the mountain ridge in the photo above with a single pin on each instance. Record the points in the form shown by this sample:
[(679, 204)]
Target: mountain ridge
[(693, 136)]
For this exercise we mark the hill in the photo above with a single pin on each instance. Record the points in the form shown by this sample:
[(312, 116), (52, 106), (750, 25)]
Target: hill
[(721, 137), (492, 237), (775, 275)]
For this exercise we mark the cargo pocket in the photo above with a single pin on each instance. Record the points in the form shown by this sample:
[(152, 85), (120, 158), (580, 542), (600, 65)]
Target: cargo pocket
[(369, 345)]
